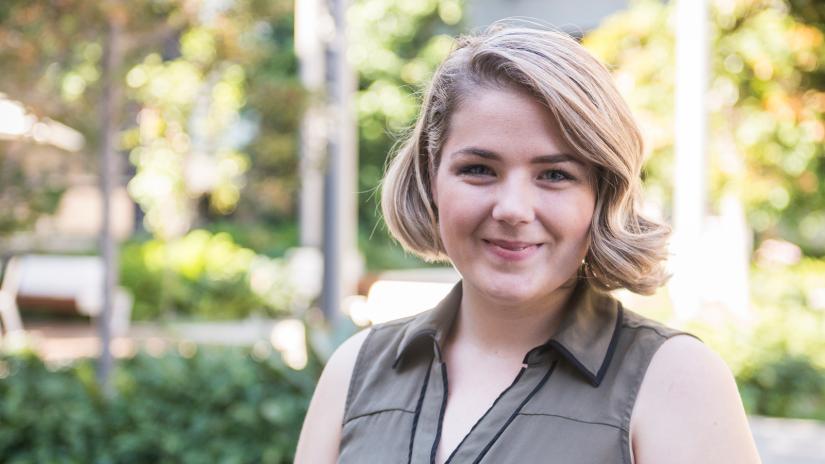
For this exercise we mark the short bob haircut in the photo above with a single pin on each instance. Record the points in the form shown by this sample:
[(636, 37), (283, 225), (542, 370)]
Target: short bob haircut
[(626, 250)]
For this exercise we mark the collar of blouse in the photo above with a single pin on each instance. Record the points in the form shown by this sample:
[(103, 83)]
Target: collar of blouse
[(586, 337)]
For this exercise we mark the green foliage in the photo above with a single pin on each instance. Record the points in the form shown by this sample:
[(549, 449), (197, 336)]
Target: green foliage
[(23, 199), (785, 374), (275, 100), (204, 276), (765, 123), (212, 104), (51, 62), (48, 416), (778, 356), (395, 47), (790, 386), (789, 304), (214, 405), (260, 236), (51, 56), (218, 121), (380, 254)]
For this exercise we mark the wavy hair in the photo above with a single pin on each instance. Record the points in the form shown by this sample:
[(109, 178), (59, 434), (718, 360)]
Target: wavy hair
[(626, 249)]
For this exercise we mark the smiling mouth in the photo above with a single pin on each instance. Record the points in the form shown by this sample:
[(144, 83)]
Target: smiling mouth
[(513, 246), (511, 251)]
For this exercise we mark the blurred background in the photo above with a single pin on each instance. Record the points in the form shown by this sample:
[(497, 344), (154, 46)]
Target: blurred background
[(189, 219)]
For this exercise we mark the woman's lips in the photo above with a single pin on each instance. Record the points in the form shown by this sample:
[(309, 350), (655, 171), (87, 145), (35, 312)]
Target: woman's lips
[(510, 250)]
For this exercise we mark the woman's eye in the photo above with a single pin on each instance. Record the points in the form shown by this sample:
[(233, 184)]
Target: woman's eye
[(475, 170), (555, 175)]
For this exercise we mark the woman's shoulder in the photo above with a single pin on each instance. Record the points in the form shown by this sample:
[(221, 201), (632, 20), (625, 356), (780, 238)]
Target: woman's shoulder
[(342, 361), (384, 336), (685, 362), (688, 408), (659, 330), (321, 432), (639, 340)]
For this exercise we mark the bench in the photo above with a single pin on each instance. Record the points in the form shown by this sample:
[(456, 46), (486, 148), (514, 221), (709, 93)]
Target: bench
[(70, 284)]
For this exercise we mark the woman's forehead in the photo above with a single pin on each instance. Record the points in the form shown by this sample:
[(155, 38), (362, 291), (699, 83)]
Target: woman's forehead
[(503, 120)]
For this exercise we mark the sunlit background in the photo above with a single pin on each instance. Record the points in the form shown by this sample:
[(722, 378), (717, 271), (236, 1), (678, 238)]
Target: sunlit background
[(236, 147)]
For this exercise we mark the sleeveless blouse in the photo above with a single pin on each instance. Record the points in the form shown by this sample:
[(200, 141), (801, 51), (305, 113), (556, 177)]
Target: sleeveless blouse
[(571, 402)]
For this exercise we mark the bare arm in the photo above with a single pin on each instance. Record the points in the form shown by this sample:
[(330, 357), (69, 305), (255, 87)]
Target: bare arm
[(689, 410), (321, 433)]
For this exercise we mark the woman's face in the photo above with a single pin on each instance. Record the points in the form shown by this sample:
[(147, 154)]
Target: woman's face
[(514, 202)]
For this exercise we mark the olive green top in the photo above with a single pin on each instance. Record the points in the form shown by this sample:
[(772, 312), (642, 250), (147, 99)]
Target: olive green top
[(570, 403)]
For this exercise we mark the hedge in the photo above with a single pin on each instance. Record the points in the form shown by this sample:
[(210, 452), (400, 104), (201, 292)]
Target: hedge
[(210, 405)]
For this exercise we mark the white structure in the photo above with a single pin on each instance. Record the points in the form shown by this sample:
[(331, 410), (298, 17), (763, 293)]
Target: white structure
[(572, 17), (17, 123), (73, 280), (690, 165)]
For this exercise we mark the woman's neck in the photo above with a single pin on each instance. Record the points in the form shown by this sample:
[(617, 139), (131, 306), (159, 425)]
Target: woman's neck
[(504, 329)]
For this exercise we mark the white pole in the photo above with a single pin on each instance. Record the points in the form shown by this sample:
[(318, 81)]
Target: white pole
[(311, 24), (108, 176), (690, 166)]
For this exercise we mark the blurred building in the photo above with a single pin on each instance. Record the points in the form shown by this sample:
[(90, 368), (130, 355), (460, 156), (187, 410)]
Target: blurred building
[(52, 156), (572, 17)]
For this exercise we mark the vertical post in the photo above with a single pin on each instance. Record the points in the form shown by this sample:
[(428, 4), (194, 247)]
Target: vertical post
[(311, 20), (108, 175), (690, 166), (341, 264)]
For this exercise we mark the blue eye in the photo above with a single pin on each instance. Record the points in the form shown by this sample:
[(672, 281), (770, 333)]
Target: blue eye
[(555, 175), (475, 170)]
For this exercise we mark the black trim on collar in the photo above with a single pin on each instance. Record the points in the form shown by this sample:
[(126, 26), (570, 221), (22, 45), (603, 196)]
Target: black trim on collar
[(412, 341), (591, 317), (614, 340), (433, 324), (594, 379)]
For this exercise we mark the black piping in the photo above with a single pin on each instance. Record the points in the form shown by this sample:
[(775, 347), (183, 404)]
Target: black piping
[(379, 411), (595, 379), (485, 415), (418, 411), (612, 347), (559, 416), (412, 341), (440, 414), (516, 412), (571, 358)]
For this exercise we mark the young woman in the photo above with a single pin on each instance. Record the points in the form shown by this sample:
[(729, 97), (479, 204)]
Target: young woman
[(523, 171)]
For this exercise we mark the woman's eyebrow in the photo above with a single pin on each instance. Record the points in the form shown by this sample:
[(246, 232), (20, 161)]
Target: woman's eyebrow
[(493, 156)]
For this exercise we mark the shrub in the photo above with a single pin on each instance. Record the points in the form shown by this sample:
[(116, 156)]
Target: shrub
[(206, 405), (788, 386), (207, 276), (778, 356), (785, 372)]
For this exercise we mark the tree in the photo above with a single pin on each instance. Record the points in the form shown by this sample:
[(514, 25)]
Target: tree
[(395, 48), (210, 89), (766, 128)]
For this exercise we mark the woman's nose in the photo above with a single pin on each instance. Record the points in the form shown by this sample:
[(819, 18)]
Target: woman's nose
[(514, 203)]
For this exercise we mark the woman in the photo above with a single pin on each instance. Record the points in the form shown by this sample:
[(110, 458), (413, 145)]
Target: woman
[(523, 172)]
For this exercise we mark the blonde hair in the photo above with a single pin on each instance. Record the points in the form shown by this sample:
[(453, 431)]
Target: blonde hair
[(626, 249)]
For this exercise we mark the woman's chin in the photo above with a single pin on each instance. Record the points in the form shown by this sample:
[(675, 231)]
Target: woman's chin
[(510, 291), (517, 290)]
